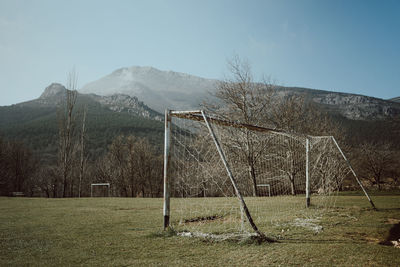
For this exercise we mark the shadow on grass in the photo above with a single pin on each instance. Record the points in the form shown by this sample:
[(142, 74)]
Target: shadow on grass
[(394, 235), (388, 209)]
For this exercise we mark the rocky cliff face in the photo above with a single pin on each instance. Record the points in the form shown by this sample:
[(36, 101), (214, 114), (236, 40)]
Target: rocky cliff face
[(54, 89), (52, 95), (359, 107), (351, 106), (55, 94), (395, 99), (126, 103)]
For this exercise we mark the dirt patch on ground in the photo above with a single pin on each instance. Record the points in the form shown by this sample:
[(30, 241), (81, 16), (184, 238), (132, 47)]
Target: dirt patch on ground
[(210, 219), (203, 219)]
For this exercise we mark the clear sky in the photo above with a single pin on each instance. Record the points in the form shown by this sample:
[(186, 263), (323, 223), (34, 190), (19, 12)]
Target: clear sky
[(348, 46)]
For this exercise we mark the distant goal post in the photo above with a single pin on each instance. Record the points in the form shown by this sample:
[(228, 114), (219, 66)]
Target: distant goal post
[(267, 186), (106, 185)]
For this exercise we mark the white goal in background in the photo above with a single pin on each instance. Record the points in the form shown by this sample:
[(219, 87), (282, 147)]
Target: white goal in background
[(227, 178), (104, 189)]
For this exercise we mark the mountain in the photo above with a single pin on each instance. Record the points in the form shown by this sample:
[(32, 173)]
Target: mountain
[(158, 89), (114, 108), (173, 90), (35, 122)]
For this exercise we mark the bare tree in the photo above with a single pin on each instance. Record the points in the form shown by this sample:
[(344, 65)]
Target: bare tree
[(242, 99), (294, 114), (149, 167), (3, 167), (17, 167), (47, 179), (132, 166), (67, 130), (114, 166), (82, 151), (378, 162)]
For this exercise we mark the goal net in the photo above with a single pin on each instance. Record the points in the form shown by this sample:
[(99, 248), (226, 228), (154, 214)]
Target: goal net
[(224, 178)]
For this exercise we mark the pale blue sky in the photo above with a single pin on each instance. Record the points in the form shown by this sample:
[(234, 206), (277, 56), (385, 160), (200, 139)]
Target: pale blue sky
[(349, 46)]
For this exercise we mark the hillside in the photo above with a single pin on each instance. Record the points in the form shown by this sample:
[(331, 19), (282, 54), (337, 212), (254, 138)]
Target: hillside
[(35, 122)]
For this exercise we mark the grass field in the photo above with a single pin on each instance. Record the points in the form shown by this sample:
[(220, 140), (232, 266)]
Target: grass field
[(127, 232)]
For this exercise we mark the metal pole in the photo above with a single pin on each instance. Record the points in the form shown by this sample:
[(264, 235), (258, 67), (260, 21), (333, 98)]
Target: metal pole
[(354, 173), (228, 170), (167, 132), (307, 173), (91, 190)]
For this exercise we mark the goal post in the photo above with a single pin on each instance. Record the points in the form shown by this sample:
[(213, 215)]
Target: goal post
[(166, 202), (342, 155), (354, 173), (307, 173), (100, 185), (243, 205), (214, 170), (266, 186)]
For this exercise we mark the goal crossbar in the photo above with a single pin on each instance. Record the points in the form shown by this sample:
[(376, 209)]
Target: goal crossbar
[(197, 115)]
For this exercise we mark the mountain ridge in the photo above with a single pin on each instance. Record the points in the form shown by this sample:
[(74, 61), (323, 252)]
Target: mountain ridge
[(162, 90)]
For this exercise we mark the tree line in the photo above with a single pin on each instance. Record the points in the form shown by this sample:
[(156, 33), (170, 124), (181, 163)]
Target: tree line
[(131, 165)]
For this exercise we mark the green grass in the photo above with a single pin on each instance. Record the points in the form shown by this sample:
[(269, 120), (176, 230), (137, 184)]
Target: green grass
[(127, 232)]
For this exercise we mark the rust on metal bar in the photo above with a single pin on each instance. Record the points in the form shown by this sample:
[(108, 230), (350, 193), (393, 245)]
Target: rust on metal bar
[(177, 112)]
